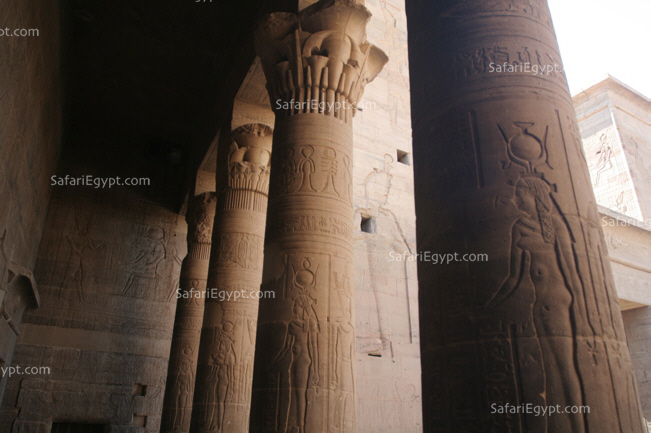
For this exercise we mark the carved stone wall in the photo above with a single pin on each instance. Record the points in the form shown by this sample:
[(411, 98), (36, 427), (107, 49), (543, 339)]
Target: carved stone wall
[(30, 137), (638, 334), (386, 288), (108, 268), (614, 122), (500, 171)]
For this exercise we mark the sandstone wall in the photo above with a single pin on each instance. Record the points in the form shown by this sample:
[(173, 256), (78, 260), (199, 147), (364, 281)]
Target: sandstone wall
[(386, 300), (108, 268), (30, 130)]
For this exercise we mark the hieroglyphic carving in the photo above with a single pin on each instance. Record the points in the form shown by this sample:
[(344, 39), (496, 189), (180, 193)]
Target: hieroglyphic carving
[(317, 169), (177, 405), (223, 395), (240, 250), (536, 9), (316, 224), (496, 60)]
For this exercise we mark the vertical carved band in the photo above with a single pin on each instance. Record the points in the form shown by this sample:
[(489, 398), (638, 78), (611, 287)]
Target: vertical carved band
[(222, 400), (177, 407)]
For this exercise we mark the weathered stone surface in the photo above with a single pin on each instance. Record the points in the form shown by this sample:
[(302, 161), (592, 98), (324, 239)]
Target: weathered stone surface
[(316, 67), (499, 170), (638, 323), (30, 140), (181, 374), (223, 393), (109, 273)]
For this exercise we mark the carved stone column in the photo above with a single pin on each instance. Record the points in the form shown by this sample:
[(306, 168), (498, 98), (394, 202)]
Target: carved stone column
[(177, 406), (223, 397), (317, 64), (499, 171)]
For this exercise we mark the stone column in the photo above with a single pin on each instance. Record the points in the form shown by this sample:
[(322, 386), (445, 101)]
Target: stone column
[(177, 406), (499, 171), (222, 400), (316, 64)]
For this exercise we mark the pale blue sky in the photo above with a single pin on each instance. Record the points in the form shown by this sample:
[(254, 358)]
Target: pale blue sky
[(599, 37)]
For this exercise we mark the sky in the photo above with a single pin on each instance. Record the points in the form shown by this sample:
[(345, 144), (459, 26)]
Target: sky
[(599, 37)]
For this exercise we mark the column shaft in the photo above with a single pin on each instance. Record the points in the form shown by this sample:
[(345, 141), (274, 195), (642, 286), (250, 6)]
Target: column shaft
[(499, 171), (225, 372), (304, 365), (177, 406)]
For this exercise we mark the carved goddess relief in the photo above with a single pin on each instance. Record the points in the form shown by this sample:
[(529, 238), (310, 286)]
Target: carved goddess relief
[(82, 248), (543, 275), (221, 378), (183, 389), (298, 362), (145, 265)]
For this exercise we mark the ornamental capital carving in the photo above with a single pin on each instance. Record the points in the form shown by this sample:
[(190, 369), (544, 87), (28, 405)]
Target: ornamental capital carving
[(249, 158), (200, 216), (318, 61)]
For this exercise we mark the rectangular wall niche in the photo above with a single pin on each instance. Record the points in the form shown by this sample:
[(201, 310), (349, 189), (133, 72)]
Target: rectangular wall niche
[(368, 224), (67, 427), (404, 157)]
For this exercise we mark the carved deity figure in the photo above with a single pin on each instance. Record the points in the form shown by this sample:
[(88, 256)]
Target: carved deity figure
[(82, 248), (604, 163), (183, 389), (149, 256), (544, 275), (298, 363), (221, 378)]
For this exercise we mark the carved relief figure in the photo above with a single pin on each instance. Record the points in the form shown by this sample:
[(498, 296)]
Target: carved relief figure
[(221, 378), (388, 237), (543, 274), (298, 364), (82, 248), (604, 163), (145, 264), (183, 389)]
